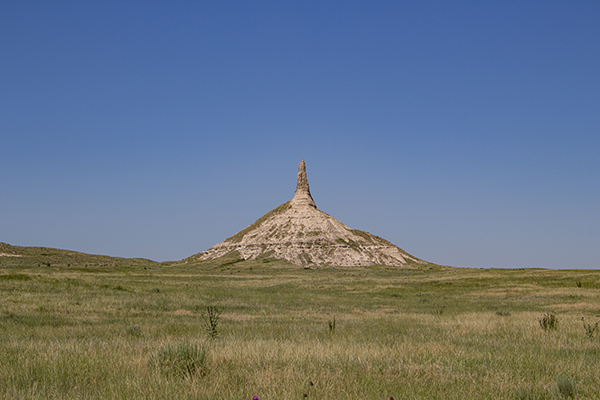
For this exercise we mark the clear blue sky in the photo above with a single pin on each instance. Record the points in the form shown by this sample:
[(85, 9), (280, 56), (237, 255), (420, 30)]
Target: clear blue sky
[(467, 133)]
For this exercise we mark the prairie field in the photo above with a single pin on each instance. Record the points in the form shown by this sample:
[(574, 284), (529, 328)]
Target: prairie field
[(264, 328)]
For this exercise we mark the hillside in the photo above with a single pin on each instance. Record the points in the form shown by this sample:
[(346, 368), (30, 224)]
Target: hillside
[(17, 256)]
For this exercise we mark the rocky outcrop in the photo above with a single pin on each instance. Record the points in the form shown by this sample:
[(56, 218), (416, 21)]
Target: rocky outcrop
[(302, 234), (302, 196)]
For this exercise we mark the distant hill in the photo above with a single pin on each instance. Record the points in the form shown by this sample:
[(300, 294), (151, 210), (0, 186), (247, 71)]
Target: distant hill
[(17, 256)]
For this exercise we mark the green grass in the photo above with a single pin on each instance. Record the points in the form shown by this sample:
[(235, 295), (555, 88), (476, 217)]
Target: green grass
[(48, 257), (277, 210), (439, 333)]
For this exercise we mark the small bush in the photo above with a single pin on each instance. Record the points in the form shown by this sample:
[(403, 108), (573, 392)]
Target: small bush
[(185, 360), (566, 386), (590, 329), (548, 321), (331, 324), (212, 321)]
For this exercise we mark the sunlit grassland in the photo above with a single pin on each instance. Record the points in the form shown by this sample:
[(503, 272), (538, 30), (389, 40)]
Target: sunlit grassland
[(444, 333)]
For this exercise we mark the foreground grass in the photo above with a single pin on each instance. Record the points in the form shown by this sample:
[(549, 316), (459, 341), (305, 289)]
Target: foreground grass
[(412, 334)]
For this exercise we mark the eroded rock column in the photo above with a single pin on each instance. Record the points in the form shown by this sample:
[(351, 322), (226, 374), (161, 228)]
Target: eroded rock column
[(302, 195)]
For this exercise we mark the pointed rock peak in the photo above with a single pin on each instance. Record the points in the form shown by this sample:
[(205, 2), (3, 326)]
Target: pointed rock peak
[(302, 180), (302, 196)]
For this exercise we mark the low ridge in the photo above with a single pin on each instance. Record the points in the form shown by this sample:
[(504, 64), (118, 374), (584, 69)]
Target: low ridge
[(300, 233)]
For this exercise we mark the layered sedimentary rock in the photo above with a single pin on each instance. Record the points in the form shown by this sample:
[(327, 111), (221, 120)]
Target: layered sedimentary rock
[(302, 196), (303, 235)]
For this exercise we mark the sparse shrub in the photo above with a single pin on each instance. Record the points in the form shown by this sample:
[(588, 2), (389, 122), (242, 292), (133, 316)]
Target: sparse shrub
[(548, 321), (155, 290), (590, 329), (185, 360), (566, 386), (212, 321), (331, 324)]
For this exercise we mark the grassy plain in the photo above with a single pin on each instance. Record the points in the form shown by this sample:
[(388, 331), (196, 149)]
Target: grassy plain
[(92, 331)]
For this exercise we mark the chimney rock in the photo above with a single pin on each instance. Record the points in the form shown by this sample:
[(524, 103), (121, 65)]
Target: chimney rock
[(302, 196)]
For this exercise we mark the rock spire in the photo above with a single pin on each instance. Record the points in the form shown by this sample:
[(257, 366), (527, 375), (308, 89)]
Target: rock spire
[(301, 234), (302, 195)]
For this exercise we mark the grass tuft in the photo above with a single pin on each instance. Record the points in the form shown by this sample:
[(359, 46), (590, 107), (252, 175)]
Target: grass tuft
[(566, 386), (211, 319), (548, 321), (590, 328), (134, 331), (184, 360)]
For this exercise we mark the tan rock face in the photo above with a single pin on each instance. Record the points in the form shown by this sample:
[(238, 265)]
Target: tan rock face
[(302, 234), (302, 195)]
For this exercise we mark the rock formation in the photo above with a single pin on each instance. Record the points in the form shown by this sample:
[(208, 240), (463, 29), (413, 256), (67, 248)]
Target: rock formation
[(303, 235), (302, 195)]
